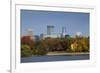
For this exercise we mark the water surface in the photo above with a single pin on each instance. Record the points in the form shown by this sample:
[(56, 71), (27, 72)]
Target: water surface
[(48, 58)]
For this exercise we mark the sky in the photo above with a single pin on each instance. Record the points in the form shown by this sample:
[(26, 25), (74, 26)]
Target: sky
[(37, 21)]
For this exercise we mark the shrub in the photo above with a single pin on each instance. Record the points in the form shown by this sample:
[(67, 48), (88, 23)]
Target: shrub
[(25, 51)]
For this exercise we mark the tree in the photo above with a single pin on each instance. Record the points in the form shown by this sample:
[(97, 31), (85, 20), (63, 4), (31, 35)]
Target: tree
[(80, 44), (26, 40), (25, 51), (40, 48)]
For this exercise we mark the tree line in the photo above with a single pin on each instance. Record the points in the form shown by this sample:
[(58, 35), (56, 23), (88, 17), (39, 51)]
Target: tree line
[(31, 47)]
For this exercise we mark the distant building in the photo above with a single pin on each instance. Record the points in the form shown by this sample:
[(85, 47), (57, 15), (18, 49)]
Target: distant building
[(50, 29), (63, 33), (67, 36), (51, 34), (30, 33), (79, 34), (37, 38)]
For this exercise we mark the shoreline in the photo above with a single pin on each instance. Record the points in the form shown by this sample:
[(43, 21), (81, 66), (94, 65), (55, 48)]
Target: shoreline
[(77, 53), (61, 54)]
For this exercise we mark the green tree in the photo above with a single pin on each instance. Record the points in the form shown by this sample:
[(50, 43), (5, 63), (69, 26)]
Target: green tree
[(25, 51), (40, 48)]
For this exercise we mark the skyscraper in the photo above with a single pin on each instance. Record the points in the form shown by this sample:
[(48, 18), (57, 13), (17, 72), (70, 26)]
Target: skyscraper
[(50, 29), (63, 31)]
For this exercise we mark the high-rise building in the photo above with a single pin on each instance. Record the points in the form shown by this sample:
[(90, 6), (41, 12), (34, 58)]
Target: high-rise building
[(50, 29), (51, 33), (30, 33), (63, 32)]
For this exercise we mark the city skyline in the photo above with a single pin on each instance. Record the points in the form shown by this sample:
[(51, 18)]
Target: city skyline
[(74, 22)]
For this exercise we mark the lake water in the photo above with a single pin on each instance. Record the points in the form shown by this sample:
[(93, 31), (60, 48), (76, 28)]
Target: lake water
[(49, 58)]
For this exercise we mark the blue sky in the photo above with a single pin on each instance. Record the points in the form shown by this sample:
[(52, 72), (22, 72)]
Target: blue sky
[(38, 21)]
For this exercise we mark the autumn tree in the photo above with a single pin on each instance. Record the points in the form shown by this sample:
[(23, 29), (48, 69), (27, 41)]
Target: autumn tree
[(26, 40)]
